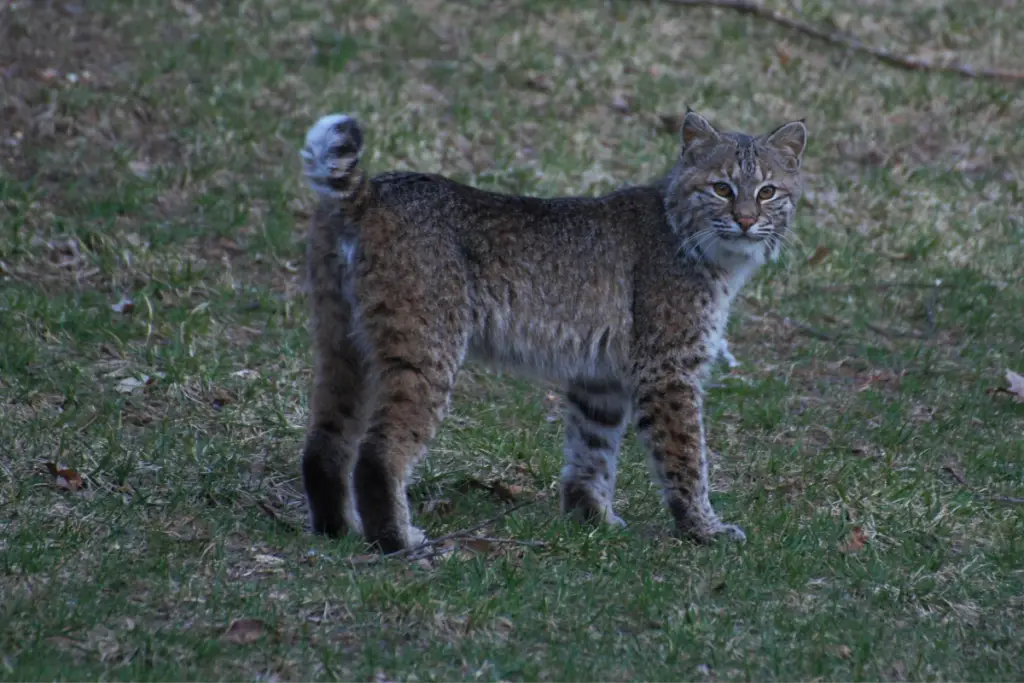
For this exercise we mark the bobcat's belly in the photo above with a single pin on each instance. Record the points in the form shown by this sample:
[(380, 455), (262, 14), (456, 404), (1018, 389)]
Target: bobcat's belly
[(551, 349)]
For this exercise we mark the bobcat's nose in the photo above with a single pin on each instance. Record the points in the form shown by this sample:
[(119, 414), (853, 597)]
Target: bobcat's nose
[(745, 222)]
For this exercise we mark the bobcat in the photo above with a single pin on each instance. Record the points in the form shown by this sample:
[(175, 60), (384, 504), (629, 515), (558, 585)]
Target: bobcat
[(622, 298)]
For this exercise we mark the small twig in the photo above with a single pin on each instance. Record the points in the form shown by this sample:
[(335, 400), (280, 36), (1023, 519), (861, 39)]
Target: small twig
[(803, 327), (441, 540), (886, 332), (510, 541), (853, 43), (956, 475), (1009, 500), (273, 514), (929, 309), (812, 331), (883, 285)]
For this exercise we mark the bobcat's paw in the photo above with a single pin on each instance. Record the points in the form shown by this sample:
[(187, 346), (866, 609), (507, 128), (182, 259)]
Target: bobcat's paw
[(729, 359), (612, 519), (711, 531), (730, 531), (414, 537)]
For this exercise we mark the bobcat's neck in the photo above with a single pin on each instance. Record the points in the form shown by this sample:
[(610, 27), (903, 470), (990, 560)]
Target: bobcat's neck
[(732, 267)]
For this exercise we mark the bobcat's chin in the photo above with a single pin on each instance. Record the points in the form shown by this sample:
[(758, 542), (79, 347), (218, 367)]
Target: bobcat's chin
[(738, 251)]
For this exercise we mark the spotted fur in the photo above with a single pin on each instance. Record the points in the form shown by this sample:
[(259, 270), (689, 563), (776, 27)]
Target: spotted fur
[(623, 298)]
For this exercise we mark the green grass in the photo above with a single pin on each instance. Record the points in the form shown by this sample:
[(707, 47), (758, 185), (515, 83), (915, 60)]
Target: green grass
[(168, 173)]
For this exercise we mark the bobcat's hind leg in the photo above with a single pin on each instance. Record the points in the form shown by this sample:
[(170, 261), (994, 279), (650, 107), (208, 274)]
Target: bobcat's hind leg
[(413, 395), (415, 321), (329, 454), (339, 406), (595, 421)]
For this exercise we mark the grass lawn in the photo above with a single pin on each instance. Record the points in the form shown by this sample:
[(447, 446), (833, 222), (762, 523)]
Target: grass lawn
[(153, 340)]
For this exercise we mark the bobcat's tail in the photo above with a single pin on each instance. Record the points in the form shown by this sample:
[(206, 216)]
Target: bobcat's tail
[(330, 159)]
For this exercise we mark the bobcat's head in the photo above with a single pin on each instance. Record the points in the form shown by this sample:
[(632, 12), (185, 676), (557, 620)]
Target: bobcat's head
[(733, 196)]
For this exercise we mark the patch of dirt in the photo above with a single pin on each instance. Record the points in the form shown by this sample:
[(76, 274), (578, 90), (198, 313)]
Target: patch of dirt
[(49, 53)]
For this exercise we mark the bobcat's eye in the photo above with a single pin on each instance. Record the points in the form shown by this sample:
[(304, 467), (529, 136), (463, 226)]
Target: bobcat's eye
[(766, 192), (722, 190)]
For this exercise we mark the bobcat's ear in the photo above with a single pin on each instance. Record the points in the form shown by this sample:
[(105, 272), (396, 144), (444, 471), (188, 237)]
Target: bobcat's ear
[(789, 140), (696, 130)]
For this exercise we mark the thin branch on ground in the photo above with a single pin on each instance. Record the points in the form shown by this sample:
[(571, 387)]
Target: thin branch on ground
[(796, 324), (430, 547), (853, 43), (273, 514), (886, 332), (511, 541), (812, 331), (936, 285), (930, 305), (1009, 500)]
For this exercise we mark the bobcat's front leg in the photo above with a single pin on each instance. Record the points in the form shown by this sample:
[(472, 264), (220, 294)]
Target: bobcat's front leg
[(670, 422)]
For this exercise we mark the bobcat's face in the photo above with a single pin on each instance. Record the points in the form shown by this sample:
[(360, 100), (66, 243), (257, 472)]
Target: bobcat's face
[(733, 193)]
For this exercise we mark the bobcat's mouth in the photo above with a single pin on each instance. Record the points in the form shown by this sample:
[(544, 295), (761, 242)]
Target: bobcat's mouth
[(739, 236)]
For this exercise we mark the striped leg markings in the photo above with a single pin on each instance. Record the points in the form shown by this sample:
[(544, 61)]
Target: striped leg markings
[(670, 423), (595, 421)]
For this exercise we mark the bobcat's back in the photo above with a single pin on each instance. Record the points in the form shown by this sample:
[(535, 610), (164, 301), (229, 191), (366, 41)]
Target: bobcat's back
[(547, 284)]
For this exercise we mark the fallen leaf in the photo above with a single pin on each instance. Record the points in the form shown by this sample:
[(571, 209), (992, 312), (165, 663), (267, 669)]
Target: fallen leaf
[(194, 17), (220, 398), (49, 74), (439, 506), (1016, 384), (902, 256), (141, 169), (620, 104), (244, 631), (272, 560), (477, 545), (127, 385), (956, 474), (246, 374), (124, 306), (506, 492), (65, 252), (538, 81), (819, 255), (432, 94), (865, 386), (845, 652), (65, 478), (784, 55), (857, 541)]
